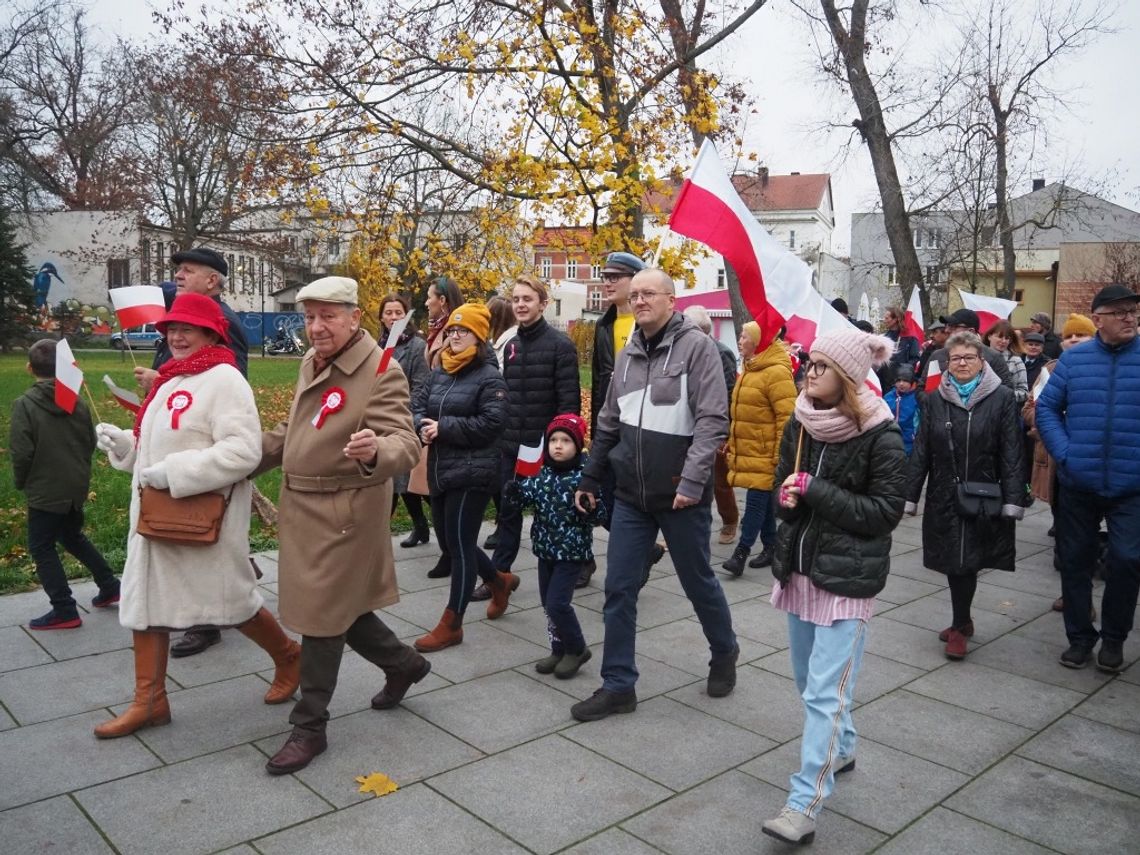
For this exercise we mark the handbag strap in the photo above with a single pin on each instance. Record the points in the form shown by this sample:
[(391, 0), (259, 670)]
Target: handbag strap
[(953, 450), (225, 504)]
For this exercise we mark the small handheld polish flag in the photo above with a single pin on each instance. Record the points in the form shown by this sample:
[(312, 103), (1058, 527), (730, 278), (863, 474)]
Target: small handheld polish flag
[(529, 462), (68, 377), (136, 305)]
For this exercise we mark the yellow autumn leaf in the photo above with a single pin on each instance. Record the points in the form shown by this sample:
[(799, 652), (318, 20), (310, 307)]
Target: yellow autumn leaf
[(377, 783)]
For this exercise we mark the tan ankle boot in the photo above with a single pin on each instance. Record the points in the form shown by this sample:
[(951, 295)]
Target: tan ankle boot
[(447, 633), (149, 707), (264, 630), (501, 589)]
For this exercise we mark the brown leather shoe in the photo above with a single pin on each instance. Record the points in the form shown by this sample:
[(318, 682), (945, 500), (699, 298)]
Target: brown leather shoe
[(956, 647), (505, 584), (447, 633), (297, 752), (727, 534), (398, 683)]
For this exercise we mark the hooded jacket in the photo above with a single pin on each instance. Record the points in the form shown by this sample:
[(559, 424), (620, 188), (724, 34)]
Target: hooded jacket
[(50, 450), (665, 415), (763, 399)]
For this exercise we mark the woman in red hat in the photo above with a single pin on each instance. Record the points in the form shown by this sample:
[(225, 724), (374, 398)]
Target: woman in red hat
[(197, 431)]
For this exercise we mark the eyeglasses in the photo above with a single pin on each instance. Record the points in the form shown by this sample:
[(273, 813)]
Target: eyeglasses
[(643, 296), (963, 360), (616, 277), (1121, 314), (457, 332), (815, 369)]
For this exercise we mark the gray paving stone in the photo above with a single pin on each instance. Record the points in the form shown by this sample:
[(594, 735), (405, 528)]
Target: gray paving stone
[(762, 702), (654, 678), (759, 621), (1090, 750), (213, 717), (725, 815), (18, 609), (1049, 629), (888, 790), (234, 656), (267, 564), (101, 633), (20, 650), (688, 746), (484, 651), (1029, 703), (655, 606), (877, 675), (6, 721), (63, 755), (1037, 660), (1116, 704), (682, 645), (935, 614), (1040, 804), (944, 832), (900, 589), (1031, 576), (1132, 674), (404, 630), (513, 791), (907, 536), (753, 584), (911, 645), (938, 732), (396, 742), (498, 711), (614, 841), (530, 625), (411, 820), (55, 825), (201, 805)]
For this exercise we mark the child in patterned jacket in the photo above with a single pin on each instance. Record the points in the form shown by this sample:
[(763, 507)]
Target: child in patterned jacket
[(561, 539)]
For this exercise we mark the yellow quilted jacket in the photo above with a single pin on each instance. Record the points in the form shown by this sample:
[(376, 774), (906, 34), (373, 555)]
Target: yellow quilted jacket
[(762, 401)]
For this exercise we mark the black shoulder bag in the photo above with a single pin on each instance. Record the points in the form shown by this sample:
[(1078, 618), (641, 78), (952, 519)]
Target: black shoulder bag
[(976, 499)]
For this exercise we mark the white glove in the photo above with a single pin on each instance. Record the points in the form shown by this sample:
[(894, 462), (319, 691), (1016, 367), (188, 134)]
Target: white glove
[(113, 440), (154, 476), (910, 509)]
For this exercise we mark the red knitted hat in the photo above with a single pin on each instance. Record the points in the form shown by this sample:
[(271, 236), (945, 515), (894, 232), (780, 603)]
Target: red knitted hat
[(570, 423), (197, 310)]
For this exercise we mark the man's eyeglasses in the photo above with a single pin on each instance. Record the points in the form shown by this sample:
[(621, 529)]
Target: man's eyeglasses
[(643, 296), (815, 369), (1121, 314), (963, 360), (615, 277)]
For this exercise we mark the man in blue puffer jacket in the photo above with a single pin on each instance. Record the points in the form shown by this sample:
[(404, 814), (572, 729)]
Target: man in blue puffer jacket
[(1088, 416)]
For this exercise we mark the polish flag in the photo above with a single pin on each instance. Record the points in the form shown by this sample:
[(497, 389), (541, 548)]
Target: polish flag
[(68, 377), (529, 462), (1042, 380), (990, 309), (913, 325), (126, 400), (138, 304), (933, 376), (393, 337)]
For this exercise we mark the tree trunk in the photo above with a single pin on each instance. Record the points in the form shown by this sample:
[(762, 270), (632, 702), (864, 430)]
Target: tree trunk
[(1001, 196)]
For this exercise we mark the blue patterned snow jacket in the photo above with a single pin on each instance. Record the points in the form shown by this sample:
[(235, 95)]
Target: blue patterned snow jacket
[(559, 532), (1088, 416)]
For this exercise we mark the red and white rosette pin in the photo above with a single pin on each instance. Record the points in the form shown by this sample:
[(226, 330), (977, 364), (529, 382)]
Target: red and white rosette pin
[(332, 402), (178, 403)]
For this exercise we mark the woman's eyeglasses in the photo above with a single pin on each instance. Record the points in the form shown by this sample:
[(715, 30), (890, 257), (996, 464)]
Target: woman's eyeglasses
[(457, 332), (815, 369)]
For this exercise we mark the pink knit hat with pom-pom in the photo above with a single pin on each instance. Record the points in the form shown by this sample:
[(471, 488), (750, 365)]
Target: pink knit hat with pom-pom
[(854, 351)]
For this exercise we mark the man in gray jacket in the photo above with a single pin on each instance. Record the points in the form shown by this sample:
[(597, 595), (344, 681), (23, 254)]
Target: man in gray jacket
[(664, 417)]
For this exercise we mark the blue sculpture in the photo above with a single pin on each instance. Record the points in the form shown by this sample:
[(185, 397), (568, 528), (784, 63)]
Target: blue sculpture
[(42, 283)]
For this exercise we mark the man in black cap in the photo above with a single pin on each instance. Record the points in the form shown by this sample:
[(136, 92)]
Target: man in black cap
[(1043, 324), (966, 320), (1035, 357), (199, 271)]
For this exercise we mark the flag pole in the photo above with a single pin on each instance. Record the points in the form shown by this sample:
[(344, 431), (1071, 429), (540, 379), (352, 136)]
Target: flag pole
[(660, 246), (91, 398)]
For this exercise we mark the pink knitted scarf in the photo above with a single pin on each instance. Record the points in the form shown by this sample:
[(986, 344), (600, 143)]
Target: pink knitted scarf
[(833, 426)]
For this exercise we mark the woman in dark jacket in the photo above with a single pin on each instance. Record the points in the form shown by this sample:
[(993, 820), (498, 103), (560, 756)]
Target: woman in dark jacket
[(411, 353), (459, 413), (842, 475), (969, 432)]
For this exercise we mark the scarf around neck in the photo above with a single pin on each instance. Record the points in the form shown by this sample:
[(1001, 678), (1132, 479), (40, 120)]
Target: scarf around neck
[(965, 390), (435, 328), (831, 425), (203, 360), (453, 363)]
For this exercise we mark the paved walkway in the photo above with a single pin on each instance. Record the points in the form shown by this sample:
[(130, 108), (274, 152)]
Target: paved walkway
[(1006, 752)]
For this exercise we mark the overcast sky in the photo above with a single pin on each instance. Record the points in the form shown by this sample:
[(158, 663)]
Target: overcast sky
[(773, 53)]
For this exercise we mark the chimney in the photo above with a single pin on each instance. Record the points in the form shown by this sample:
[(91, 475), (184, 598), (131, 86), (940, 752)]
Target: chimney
[(1038, 183), (793, 173), (763, 173)]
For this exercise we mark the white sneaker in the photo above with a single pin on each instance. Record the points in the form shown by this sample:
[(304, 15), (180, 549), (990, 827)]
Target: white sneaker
[(791, 826)]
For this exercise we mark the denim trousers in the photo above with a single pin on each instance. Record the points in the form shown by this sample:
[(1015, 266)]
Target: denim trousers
[(45, 530), (825, 663), (556, 580), (1078, 515), (759, 520), (632, 534), (457, 515)]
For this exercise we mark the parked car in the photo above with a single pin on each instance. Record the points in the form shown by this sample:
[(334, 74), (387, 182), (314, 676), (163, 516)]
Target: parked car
[(137, 338)]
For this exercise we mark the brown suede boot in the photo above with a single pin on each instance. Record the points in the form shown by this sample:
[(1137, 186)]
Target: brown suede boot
[(448, 632), (149, 708), (264, 630), (501, 589)]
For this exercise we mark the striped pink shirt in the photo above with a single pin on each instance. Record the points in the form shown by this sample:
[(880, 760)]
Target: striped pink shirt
[(815, 605)]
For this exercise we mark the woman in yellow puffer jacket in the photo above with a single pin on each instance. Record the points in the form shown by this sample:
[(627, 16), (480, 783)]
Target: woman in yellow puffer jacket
[(762, 400)]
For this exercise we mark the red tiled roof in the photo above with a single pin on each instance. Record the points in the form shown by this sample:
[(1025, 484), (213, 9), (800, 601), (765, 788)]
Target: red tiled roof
[(777, 193), (563, 237)]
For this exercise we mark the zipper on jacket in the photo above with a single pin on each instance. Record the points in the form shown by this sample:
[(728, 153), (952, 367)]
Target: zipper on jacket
[(438, 416), (1108, 423), (966, 472), (640, 414)]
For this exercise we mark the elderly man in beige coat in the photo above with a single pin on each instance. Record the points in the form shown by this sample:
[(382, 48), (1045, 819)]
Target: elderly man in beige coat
[(349, 431)]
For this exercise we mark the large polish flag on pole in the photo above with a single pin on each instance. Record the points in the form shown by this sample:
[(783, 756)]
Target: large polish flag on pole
[(913, 322), (136, 305), (68, 377), (990, 310)]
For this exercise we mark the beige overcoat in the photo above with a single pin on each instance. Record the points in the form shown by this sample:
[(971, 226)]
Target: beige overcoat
[(335, 559)]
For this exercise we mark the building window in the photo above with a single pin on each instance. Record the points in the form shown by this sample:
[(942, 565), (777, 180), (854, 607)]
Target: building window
[(890, 274), (333, 245), (932, 273), (118, 272), (918, 238), (144, 260), (571, 268), (596, 272), (792, 239), (1019, 295), (545, 266), (721, 279), (594, 300), (934, 238), (557, 308)]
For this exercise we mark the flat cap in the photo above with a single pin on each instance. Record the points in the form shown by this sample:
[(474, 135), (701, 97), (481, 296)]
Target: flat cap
[(203, 255), (330, 289), (1113, 294), (623, 262), (962, 318), (1034, 336)]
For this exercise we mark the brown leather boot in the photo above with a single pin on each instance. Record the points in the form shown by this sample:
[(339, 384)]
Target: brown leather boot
[(398, 682), (297, 752), (448, 632), (264, 630), (149, 707), (501, 589)]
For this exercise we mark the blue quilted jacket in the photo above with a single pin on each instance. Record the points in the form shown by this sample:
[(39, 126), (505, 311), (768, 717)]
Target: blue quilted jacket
[(559, 532), (1088, 416)]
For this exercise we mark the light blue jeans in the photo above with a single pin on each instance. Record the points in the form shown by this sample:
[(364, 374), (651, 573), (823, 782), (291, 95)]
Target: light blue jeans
[(825, 662)]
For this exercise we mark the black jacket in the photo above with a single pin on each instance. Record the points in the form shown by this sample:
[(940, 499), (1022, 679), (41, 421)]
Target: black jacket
[(601, 364), (728, 364), (540, 366), (471, 408), (839, 535), (1052, 347), (987, 443)]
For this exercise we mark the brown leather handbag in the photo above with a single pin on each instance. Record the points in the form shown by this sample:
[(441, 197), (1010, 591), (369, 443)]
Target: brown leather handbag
[(189, 521)]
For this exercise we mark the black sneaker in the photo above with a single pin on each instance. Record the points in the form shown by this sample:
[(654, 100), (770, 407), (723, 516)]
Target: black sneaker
[(1110, 659), (735, 564), (106, 597), (764, 559), (56, 620), (492, 541), (588, 570), (603, 703), (1077, 656), (722, 675), (442, 568)]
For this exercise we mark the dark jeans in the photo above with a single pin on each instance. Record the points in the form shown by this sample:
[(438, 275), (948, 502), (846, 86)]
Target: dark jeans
[(759, 519), (1078, 515), (45, 530), (556, 580), (687, 537), (510, 520), (320, 666), (457, 515)]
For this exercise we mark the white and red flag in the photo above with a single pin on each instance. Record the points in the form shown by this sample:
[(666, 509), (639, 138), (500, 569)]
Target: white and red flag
[(529, 461), (390, 345), (912, 322), (933, 376), (990, 310), (68, 377), (136, 305), (127, 400)]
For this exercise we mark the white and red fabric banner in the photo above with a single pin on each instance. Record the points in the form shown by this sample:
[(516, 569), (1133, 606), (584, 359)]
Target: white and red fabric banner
[(127, 400), (68, 377), (136, 305), (990, 310), (390, 344), (913, 323), (529, 462), (933, 376)]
